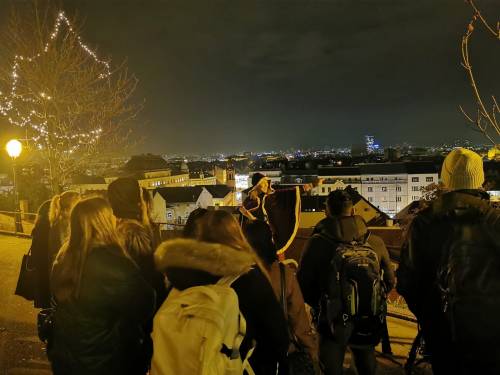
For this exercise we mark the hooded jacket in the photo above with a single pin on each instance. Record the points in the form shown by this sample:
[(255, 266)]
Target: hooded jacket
[(188, 263), (421, 256), (318, 252)]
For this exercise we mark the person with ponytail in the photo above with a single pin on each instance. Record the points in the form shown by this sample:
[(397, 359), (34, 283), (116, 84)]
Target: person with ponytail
[(59, 213), (102, 301)]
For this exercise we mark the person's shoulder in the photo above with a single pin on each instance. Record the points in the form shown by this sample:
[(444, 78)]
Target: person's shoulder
[(137, 237), (131, 227), (247, 281), (375, 240), (427, 214), (320, 240), (252, 274), (110, 262)]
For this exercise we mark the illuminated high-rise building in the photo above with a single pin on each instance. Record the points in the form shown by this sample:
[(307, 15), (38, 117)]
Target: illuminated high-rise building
[(370, 143)]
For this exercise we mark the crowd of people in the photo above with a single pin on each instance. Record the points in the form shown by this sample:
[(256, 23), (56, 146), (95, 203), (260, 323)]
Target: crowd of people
[(219, 300)]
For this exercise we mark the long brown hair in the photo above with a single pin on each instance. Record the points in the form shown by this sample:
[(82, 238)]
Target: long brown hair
[(221, 227), (61, 205), (92, 225)]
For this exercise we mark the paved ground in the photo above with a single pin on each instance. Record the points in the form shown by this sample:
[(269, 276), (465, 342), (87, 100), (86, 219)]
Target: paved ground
[(21, 353)]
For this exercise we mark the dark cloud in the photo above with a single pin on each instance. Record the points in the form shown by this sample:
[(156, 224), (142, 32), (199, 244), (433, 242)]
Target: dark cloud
[(237, 74)]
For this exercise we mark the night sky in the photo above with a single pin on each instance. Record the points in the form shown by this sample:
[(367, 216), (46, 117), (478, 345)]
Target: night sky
[(223, 76)]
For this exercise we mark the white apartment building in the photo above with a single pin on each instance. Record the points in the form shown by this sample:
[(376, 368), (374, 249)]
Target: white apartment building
[(337, 178), (392, 186), (388, 186), (172, 205)]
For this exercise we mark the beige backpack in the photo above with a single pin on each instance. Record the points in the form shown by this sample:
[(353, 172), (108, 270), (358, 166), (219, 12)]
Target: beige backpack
[(198, 331)]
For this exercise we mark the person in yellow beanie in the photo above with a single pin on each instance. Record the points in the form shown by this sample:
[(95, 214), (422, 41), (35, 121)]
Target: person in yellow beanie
[(449, 271), (462, 169)]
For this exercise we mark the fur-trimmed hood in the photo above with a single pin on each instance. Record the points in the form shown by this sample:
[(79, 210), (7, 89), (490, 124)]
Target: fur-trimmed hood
[(215, 259)]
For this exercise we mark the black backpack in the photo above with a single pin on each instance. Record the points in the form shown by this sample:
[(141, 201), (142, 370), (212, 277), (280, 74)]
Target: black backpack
[(354, 292), (469, 281)]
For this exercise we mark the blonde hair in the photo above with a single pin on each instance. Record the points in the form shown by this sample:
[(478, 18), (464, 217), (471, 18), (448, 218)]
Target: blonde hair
[(61, 205), (221, 227), (92, 225)]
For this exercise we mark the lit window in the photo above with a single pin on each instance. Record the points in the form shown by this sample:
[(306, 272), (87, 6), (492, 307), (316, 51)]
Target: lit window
[(414, 179), (384, 188), (429, 179)]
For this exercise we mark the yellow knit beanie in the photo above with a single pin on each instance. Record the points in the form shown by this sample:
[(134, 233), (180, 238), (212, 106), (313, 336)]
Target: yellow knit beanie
[(462, 169)]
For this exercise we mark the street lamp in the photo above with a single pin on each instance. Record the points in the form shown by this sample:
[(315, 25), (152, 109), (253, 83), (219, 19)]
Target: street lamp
[(14, 149)]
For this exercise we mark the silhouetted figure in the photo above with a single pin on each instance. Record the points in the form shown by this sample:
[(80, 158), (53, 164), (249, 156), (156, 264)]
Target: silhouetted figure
[(102, 299), (219, 251), (321, 277), (449, 271), (41, 257), (260, 237)]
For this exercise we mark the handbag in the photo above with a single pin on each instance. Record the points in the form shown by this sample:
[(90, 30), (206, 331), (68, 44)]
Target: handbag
[(27, 278), (298, 362), (45, 324)]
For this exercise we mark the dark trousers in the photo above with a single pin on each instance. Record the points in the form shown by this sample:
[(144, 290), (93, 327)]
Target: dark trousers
[(332, 352)]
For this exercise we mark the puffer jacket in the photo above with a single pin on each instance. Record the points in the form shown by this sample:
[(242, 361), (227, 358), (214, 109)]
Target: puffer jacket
[(101, 332), (318, 252), (189, 263)]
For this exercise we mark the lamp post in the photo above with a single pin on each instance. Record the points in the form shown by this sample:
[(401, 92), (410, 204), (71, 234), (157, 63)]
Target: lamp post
[(14, 149)]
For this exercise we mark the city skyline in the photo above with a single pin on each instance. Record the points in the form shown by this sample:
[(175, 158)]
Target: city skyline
[(229, 76)]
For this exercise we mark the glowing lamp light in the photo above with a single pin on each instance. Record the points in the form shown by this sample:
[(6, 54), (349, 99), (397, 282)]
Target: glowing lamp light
[(14, 148)]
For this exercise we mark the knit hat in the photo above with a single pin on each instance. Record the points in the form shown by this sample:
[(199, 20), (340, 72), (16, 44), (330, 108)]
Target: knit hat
[(462, 169), (256, 177), (124, 195)]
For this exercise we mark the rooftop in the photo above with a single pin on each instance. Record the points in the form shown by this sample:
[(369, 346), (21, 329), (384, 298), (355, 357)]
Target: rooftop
[(185, 194), (218, 191), (146, 162)]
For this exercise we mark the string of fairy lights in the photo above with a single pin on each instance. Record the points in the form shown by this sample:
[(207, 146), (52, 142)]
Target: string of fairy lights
[(33, 119)]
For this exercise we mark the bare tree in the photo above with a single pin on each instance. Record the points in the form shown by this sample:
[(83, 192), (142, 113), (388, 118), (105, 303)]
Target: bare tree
[(485, 119), (71, 103)]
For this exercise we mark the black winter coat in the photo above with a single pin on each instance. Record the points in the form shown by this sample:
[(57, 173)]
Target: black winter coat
[(421, 256), (101, 332), (189, 263), (42, 263)]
